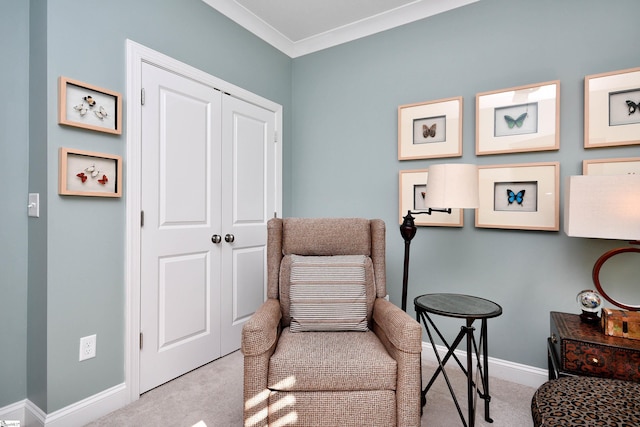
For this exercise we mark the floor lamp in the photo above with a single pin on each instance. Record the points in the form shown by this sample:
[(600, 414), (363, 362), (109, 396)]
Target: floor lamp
[(604, 207), (451, 185)]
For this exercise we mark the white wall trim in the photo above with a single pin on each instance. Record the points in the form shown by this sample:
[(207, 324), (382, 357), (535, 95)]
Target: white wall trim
[(410, 12), (503, 369), (89, 409), (76, 414), (13, 412), (33, 415)]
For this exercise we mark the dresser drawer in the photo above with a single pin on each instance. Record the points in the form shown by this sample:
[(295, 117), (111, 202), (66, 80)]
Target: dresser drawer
[(587, 359), (582, 349)]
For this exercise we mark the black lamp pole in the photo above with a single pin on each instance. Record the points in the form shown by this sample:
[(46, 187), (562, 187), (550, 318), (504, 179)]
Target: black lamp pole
[(408, 231)]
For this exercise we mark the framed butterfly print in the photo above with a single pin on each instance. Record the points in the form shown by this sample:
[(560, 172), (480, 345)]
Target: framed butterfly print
[(612, 108), (413, 189), (519, 119), (429, 130), (519, 196), (90, 107), (619, 166), (87, 173)]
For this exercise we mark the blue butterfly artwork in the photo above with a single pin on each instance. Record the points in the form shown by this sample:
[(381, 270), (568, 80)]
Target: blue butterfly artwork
[(515, 197), (511, 122)]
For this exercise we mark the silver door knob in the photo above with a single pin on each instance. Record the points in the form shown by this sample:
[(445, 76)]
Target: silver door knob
[(229, 238), (216, 238)]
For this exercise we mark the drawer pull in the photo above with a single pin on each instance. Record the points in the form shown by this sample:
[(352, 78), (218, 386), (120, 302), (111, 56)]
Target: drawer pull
[(593, 361), (554, 338)]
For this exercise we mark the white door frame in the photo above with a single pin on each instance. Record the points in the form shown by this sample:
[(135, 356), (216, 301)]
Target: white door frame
[(136, 55)]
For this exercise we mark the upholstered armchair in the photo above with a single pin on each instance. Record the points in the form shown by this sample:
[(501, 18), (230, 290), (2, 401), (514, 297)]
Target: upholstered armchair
[(327, 348)]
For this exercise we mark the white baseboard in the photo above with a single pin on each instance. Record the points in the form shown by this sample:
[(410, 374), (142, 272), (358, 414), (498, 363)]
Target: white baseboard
[(33, 415), (100, 404), (76, 414), (13, 412), (509, 371)]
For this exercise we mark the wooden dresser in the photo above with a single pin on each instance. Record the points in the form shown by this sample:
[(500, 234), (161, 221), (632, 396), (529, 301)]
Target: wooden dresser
[(577, 348)]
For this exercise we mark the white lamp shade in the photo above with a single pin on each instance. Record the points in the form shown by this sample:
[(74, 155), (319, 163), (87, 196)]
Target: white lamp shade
[(602, 206), (452, 185)]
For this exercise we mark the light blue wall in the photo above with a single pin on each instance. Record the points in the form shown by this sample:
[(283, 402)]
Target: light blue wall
[(344, 155), (73, 282), (14, 151)]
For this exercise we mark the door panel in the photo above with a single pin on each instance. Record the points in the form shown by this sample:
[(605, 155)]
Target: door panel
[(248, 284), (249, 152), (249, 141), (184, 308), (184, 163), (180, 266)]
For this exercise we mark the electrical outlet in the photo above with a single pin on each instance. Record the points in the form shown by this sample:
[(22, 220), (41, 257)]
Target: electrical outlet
[(87, 347)]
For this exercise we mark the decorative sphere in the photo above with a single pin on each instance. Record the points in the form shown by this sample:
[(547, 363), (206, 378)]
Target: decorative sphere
[(589, 300)]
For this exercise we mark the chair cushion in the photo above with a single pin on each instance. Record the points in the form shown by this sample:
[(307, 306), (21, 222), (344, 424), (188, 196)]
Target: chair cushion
[(328, 293), (586, 401), (331, 361)]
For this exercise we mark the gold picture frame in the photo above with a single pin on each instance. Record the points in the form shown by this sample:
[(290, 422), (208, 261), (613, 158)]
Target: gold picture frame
[(429, 130), (612, 108), (519, 196), (413, 187), (89, 107), (519, 119)]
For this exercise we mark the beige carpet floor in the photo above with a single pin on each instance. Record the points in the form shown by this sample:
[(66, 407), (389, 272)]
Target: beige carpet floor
[(211, 396)]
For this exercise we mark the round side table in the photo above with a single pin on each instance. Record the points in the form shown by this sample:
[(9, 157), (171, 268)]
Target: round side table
[(469, 308)]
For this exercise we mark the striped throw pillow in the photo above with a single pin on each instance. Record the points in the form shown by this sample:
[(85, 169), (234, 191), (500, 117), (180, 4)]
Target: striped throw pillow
[(328, 293)]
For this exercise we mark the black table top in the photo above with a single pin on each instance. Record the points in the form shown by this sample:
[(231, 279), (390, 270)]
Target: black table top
[(458, 305)]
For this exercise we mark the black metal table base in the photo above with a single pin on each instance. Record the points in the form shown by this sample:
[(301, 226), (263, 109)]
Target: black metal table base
[(467, 332)]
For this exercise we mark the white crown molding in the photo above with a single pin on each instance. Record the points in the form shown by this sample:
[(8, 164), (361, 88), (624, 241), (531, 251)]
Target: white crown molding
[(251, 22), (411, 12)]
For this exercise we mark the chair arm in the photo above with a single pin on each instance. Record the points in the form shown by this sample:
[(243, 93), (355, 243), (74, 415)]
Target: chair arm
[(260, 332), (402, 337), (401, 330)]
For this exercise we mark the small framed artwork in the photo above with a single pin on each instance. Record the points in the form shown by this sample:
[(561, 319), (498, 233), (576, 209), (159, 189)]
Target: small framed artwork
[(430, 129), (620, 166), (87, 173), (90, 107), (413, 189), (612, 108), (520, 119), (519, 196)]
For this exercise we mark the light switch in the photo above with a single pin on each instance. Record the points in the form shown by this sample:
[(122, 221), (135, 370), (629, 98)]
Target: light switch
[(34, 205)]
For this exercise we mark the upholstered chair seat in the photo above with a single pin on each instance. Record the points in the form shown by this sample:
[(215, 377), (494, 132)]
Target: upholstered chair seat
[(348, 361), (327, 348)]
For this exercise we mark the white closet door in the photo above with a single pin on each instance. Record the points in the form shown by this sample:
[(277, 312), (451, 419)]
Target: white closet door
[(210, 167), (249, 193), (181, 198)]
